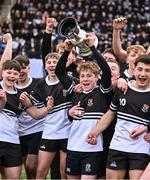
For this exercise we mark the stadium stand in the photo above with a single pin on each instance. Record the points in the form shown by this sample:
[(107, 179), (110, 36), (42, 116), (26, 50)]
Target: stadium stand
[(27, 21)]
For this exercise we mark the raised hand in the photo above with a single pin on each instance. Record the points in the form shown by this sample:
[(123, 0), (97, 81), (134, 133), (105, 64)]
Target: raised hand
[(90, 39), (7, 37), (68, 45), (119, 23), (50, 23)]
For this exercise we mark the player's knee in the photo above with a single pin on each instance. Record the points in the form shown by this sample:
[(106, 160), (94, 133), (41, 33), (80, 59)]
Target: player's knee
[(41, 172)]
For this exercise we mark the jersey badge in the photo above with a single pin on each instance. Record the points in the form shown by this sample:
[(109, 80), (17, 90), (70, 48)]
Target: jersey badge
[(90, 102), (64, 92), (145, 108)]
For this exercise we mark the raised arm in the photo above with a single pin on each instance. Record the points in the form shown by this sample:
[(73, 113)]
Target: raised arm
[(118, 24), (46, 42), (7, 54), (106, 72), (61, 66)]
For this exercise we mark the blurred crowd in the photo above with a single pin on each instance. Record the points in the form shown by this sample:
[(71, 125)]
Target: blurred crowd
[(28, 17)]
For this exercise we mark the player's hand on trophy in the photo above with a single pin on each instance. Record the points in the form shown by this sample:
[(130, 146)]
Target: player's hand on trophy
[(119, 23), (50, 23), (68, 45), (90, 39)]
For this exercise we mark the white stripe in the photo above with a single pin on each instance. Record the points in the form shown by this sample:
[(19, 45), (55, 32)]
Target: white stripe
[(133, 117), (93, 113), (113, 107), (92, 117), (60, 107), (9, 112), (71, 88), (104, 90), (131, 121), (32, 98)]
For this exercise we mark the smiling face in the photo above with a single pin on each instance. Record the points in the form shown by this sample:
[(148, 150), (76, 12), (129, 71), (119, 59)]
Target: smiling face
[(10, 77), (24, 73), (88, 80), (132, 57), (109, 57), (88, 74), (142, 75), (134, 52), (50, 66), (115, 71)]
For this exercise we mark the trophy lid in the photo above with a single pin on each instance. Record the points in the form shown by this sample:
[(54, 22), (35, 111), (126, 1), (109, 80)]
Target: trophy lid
[(68, 27)]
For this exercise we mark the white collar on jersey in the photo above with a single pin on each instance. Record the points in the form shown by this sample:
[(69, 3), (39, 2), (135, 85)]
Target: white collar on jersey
[(26, 85), (86, 92), (50, 83), (9, 92), (136, 89), (127, 74)]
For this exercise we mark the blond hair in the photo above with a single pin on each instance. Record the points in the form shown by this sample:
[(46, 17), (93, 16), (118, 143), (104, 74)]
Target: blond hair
[(89, 65), (136, 48), (60, 45), (53, 55)]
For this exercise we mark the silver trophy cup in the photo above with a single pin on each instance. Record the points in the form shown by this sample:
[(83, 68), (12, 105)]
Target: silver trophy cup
[(70, 29)]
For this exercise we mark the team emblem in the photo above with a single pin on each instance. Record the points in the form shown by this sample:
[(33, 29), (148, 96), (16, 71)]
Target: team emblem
[(90, 102), (64, 92), (145, 108)]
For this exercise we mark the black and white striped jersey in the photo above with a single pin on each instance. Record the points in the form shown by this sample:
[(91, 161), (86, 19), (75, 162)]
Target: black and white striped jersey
[(95, 104), (56, 123), (9, 117), (133, 111), (28, 125), (125, 75)]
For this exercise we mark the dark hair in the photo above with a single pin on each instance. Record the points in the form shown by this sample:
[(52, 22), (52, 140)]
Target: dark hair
[(11, 64), (143, 59), (110, 50), (22, 60)]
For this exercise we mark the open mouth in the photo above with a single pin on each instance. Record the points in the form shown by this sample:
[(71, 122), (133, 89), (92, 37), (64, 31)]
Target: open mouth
[(11, 80), (142, 80), (22, 74), (86, 84), (51, 70)]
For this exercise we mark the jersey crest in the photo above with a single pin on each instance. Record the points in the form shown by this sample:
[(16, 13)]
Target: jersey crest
[(145, 108)]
